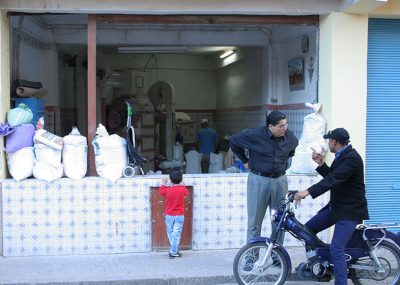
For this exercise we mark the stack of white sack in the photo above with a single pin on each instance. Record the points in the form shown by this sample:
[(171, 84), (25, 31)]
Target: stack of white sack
[(177, 158), (48, 149), (74, 154), (110, 154), (19, 142)]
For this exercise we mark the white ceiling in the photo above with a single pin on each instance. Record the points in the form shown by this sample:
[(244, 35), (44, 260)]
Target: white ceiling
[(199, 39)]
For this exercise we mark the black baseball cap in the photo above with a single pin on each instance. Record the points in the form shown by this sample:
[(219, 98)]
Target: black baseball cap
[(339, 134)]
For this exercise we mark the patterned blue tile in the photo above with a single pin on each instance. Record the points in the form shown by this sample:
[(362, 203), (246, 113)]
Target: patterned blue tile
[(91, 216)]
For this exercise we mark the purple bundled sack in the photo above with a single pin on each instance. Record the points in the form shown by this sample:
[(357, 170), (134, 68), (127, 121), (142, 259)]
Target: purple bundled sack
[(21, 137)]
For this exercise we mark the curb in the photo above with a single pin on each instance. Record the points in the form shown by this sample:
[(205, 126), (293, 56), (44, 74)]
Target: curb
[(211, 280), (208, 280)]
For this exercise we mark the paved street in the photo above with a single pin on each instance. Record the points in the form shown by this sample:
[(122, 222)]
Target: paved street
[(194, 268), (296, 283)]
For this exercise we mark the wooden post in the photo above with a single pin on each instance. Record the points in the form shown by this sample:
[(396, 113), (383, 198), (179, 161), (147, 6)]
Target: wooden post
[(91, 68)]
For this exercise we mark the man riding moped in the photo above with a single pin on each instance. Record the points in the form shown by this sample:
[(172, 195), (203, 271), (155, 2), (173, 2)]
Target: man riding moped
[(347, 206)]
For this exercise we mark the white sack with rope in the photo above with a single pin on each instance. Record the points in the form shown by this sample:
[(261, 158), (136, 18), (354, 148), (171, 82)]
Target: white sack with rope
[(311, 139)]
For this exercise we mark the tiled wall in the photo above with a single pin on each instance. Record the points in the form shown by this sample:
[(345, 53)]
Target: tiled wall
[(80, 216)]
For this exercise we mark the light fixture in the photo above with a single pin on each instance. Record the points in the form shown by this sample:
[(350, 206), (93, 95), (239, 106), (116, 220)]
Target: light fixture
[(152, 49), (227, 53)]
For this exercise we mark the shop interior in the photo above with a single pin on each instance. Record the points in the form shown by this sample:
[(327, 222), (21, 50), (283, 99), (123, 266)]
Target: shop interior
[(172, 75)]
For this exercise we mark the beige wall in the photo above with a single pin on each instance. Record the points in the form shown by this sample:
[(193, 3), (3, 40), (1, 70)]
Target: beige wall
[(343, 74), (389, 10), (255, 7)]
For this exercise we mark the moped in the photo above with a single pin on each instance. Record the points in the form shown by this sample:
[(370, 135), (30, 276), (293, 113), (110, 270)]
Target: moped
[(372, 254)]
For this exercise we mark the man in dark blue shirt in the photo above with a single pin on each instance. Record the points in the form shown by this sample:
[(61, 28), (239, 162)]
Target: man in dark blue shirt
[(269, 148), (206, 139)]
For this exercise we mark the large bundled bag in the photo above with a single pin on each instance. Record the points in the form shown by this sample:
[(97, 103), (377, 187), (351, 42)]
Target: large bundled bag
[(110, 154), (21, 137), (311, 140), (216, 163), (193, 162), (47, 172), (74, 154), (48, 148), (20, 163), (46, 154), (177, 152), (19, 115), (49, 139)]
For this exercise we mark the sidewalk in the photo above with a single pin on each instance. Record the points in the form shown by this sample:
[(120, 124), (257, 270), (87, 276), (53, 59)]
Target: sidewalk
[(194, 267)]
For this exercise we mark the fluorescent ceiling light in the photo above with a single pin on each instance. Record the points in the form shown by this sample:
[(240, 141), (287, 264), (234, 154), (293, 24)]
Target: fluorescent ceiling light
[(227, 53), (152, 49)]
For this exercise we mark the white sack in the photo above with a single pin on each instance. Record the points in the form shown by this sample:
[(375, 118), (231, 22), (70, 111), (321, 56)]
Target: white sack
[(312, 137), (48, 138), (170, 164), (74, 155), (110, 156), (177, 152), (216, 163), (20, 163), (47, 172), (229, 158), (47, 154), (193, 162)]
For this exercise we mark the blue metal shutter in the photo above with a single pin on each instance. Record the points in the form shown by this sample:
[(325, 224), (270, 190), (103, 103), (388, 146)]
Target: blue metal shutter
[(383, 121)]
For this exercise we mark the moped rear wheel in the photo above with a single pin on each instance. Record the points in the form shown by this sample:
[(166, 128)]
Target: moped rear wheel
[(389, 256), (248, 269)]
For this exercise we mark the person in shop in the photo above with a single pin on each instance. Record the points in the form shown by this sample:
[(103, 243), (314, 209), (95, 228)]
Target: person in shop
[(269, 148), (347, 206), (175, 194), (206, 141)]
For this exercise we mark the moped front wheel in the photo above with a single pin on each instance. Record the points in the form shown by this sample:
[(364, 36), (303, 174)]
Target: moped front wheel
[(389, 274), (248, 267)]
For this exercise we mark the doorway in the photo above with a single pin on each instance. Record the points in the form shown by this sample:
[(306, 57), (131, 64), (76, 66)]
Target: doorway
[(159, 236)]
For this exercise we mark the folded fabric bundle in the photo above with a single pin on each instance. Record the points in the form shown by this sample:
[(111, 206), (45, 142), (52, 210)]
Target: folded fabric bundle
[(25, 83), (30, 92), (6, 129)]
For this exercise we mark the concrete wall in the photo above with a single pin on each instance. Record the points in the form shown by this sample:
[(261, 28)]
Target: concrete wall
[(290, 50), (240, 83), (38, 57), (258, 7), (192, 76), (343, 74), (4, 99)]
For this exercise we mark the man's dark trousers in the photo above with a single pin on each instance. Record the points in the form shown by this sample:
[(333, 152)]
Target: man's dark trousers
[(343, 231)]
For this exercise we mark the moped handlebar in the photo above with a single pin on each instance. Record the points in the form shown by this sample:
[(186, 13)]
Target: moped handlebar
[(291, 195)]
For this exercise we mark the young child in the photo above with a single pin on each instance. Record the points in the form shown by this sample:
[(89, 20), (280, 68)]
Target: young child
[(174, 210)]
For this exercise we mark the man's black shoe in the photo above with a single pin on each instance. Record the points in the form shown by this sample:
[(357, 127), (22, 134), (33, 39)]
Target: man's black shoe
[(249, 263), (304, 272)]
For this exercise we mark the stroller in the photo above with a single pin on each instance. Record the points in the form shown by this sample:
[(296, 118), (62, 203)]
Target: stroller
[(135, 161)]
